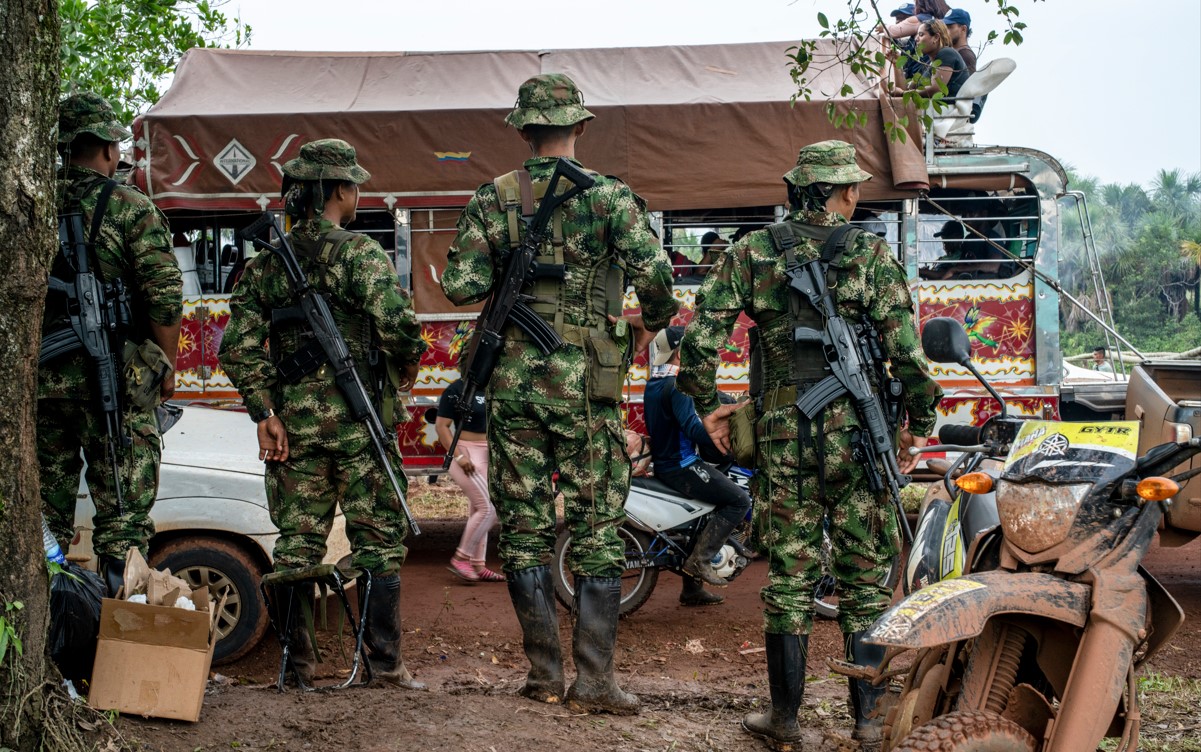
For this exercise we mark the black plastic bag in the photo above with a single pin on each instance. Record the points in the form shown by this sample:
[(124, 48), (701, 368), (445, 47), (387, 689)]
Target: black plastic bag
[(75, 595)]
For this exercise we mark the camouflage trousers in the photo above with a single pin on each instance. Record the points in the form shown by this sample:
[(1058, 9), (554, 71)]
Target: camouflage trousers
[(304, 491), (64, 428), (862, 528), (527, 443)]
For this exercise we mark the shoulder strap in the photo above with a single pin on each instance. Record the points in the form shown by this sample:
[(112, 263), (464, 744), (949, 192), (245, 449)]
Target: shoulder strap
[(106, 192), (509, 190)]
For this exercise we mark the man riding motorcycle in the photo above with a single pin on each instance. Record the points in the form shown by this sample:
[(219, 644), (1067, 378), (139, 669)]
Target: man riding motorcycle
[(679, 445)]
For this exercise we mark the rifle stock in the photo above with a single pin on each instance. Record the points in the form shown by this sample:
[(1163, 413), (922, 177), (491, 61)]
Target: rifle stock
[(506, 303), (329, 347)]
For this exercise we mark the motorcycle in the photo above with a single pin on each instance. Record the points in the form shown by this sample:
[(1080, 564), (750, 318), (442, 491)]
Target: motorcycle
[(1041, 651), (659, 531)]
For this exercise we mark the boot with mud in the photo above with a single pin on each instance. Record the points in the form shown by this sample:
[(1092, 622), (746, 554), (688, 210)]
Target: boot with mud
[(786, 656), (533, 595), (699, 563), (864, 697), (112, 571), (302, 659), (383, 632), (594, 642), (695, 594)]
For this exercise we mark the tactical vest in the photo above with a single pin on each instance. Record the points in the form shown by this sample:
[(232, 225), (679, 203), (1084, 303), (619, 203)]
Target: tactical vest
[(601, 283), (777, 360), (357, 329)]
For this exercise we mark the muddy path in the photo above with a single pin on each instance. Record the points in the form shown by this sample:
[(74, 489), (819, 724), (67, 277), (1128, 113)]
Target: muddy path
[(698, 670)]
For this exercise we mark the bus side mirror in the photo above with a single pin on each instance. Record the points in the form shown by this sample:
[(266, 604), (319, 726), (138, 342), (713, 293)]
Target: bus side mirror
[(944, 341)]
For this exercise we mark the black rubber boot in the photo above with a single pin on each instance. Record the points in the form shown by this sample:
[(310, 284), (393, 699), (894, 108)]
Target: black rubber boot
[(112, 570), (864, 697), (533, 596), (786, 656), (695, 594), (594, 642), (383, 632), (301, 632), (699, 563)]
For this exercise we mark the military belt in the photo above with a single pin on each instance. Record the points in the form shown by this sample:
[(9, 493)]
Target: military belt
[(784, 395)]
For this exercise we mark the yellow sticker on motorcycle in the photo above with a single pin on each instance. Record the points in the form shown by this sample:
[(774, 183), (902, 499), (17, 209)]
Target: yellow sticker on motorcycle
[(1054, 439)]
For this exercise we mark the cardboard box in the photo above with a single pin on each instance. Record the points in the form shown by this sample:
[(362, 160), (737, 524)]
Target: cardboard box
[(154, 660)]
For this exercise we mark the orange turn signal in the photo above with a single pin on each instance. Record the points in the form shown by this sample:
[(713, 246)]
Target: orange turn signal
[(975, 483), (1157, 489)]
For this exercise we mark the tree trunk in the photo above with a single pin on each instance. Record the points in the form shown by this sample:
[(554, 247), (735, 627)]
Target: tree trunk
[(28, 111)]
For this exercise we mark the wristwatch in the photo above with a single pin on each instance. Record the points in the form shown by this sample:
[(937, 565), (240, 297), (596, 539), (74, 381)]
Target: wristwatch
[(260, 417)]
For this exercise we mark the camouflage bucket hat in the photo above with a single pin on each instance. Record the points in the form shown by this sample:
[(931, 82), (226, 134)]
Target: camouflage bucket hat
[(326, 159), (826, 162), (89, 113), (549, 99)]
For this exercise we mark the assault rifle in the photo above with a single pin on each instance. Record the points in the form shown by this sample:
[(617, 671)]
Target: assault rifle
[(328, 346), (852, 352), (508, 305), (99, 314)]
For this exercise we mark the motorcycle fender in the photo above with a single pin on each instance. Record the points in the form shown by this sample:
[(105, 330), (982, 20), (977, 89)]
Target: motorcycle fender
[(655, 511), (958, 609)]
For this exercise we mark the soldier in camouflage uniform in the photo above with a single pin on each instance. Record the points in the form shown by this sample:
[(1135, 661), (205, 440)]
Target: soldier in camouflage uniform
[(133, 244), (561, 411), (799, 483), (316, 455)]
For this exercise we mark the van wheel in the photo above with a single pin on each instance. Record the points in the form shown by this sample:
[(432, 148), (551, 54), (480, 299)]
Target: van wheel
[(969, 731), (220, 565)]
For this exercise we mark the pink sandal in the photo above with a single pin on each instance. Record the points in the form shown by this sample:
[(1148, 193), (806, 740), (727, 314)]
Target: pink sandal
[(463, 570), (487, 575)]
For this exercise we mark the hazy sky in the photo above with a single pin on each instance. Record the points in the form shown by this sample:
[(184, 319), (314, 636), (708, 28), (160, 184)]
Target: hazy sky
[(1110, 92)]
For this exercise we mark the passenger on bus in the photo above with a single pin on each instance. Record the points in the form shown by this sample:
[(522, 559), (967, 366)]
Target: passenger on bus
[(959, 26), (933, 41)]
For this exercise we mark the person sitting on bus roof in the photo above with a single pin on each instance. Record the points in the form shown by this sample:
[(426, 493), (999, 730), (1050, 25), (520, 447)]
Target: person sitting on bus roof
[(959, 26), (933, 41)]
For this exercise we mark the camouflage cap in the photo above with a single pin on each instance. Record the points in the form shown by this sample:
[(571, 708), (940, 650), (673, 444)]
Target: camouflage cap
[(87, 112), (326, 159), (549, 99), (826, 162)]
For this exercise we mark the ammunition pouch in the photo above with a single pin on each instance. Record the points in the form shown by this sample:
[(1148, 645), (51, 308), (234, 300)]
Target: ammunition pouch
[(146, 368), (742, 434), (606, 369)]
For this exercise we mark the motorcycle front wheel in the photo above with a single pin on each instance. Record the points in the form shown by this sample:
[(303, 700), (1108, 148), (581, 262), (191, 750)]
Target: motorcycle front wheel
[(637, 583), (968, 731)]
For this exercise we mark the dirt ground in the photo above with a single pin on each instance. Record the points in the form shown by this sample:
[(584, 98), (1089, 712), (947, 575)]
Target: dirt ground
[(697, 670)]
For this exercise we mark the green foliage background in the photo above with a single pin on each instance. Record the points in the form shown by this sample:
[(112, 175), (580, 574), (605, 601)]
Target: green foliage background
[(1148, 241), (126, 49)]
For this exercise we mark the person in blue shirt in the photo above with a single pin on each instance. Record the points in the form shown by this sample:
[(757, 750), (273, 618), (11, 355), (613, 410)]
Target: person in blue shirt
[(679, 449)]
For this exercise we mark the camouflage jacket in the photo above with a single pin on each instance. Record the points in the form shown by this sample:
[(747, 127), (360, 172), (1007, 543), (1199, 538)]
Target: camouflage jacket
[(750, 278), (360, 284), (134, 241), (606, 221)]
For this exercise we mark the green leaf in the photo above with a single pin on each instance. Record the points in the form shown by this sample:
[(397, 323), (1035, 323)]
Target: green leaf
[(823, 21)]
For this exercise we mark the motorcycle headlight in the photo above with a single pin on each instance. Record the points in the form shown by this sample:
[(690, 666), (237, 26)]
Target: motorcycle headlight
[(1036, 516)]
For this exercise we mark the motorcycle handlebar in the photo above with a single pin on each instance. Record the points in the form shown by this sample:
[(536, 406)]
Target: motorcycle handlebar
[(959, 433)]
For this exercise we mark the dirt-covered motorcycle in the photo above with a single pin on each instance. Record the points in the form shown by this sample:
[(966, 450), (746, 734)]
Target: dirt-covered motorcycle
[(1040, 653)]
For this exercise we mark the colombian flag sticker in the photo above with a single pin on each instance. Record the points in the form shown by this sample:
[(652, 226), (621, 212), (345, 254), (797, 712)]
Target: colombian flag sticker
[(452, 156)]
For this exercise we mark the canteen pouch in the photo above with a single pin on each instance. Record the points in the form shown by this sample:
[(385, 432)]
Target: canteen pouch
[(606, 370), (146, 367), (742, 435)]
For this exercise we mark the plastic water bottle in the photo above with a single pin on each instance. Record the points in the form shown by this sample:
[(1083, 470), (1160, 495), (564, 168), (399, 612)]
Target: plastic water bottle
[(54, 553)]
